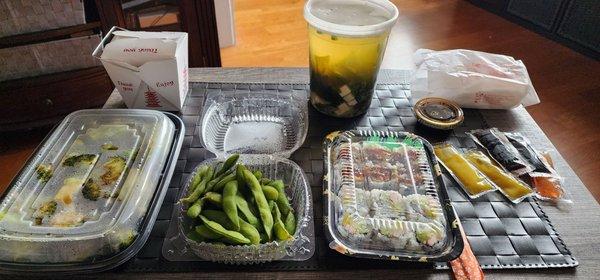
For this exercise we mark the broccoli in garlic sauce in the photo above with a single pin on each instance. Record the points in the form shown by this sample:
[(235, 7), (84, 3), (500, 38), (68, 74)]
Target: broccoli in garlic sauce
[(109, 147), (44, 172), (45, 210), (91, 190), (114, 167), (83, 159)]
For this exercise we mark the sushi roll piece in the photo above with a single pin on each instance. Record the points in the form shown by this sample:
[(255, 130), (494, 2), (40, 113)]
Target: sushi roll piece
[(347, 195), (394, 235), (359, 177), (410, 175), (342, 175), (425, 208), (380, 176), (400, 155), (411, 240), (357, 154), (389, 205), (363, 202), (376, 153), (354, 227), (355, 200), (414, 154), (429, 237)]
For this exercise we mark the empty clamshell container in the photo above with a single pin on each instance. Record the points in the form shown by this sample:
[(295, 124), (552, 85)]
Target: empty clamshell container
[(87, 198), (385, 199), (264, 128), (268, 123)]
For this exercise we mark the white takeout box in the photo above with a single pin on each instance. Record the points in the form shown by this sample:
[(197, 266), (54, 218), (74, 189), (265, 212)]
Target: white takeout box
[(149, 69)]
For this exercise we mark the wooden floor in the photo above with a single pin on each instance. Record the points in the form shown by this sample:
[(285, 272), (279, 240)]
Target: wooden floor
[(273, 33)]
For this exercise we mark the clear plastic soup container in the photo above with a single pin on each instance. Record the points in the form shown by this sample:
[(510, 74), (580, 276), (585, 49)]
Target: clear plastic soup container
[(385, 198), (88, 197), (347, 41), (264, 128)]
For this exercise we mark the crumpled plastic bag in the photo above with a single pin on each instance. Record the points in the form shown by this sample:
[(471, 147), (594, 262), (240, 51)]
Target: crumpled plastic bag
[(472, 79)]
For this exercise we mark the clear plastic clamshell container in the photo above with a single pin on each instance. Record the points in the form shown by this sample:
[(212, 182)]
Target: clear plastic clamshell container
[(88, 197), (264, 128), (385, 198), (268, 123)]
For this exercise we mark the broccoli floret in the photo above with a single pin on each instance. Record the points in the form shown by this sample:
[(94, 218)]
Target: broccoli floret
[(114, 167), (125, 238), (44, 172), (83, 158), (109, 147), (46, 209), (91, 190)]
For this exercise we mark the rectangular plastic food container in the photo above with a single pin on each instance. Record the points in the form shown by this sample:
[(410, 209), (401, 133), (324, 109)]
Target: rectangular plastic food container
[(385, 199), (89, 195), (264, 128)]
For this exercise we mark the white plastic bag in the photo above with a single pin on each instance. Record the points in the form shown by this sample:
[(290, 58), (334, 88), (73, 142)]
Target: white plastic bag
[(472, 79)]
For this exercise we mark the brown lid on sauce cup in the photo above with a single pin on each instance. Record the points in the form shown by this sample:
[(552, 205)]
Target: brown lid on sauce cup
[(438, 113)]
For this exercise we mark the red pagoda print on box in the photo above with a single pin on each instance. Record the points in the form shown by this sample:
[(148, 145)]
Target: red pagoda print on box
[(151, 98)]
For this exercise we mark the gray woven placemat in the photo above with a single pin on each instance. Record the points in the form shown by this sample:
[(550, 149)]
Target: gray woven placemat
[(501, 234)]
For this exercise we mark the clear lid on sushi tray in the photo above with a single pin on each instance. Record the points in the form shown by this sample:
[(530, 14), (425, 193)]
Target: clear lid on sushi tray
[(266, 123), (264, 129), (86, 198), (386, 198)]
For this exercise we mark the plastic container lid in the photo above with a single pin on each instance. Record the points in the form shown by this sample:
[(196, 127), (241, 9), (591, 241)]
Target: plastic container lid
[(351, 17), (386, 199), (438, 113), (82, 200)]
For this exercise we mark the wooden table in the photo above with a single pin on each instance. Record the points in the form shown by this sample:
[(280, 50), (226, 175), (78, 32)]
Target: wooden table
[(579, 227)]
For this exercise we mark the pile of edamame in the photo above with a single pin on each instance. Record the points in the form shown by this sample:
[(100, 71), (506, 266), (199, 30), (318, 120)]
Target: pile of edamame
[(234, 205)]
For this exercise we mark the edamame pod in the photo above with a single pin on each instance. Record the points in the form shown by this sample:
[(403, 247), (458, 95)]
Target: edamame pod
[(212, 183), (247, 214), (196, 208), (198, 178), (278, 227), (261, 202), (290, 223), (214, 198), (282, 201), (206, 233), (219, 217), (250, 232), (228, 164), (270, 192), (200, 189), (228, 236), (264, 181), (219, 186), (230, 204), (239, 173), (258, 174)]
